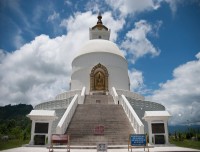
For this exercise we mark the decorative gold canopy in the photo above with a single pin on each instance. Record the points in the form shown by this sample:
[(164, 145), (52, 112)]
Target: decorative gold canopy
[(99, 78), (100, 25)]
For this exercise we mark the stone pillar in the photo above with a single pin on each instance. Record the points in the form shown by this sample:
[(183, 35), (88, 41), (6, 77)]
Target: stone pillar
[(49, 132), (166, 132), (106, 83), (150, 132), (32, 133)]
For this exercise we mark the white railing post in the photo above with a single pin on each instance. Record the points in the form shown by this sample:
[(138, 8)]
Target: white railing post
[(133, 117), (82, 96), (114, 95)]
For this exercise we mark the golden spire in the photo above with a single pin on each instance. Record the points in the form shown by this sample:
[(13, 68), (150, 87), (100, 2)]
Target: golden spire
[(99, 31), (100, 25), (99, 19)]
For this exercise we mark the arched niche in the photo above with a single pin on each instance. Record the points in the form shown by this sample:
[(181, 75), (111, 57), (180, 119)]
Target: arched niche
[(99, 78)]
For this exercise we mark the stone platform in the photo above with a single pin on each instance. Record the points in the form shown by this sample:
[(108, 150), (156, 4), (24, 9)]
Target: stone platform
[(80, 149)]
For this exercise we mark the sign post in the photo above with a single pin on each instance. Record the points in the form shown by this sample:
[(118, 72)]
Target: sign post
[(137, 140)]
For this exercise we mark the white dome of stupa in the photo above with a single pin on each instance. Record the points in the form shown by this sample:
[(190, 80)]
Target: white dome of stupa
[(100, 46), (99, 65)]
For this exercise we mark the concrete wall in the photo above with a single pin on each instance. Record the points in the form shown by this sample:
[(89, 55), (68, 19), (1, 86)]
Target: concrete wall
[(104, 34)]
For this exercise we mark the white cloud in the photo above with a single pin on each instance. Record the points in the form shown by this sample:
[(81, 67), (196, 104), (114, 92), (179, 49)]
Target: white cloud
[(16, 8), (181, 95), (41, 69), (93, 6), (136, 43), (114, 24), (34, 72), (136, 79), (133, 7), (2, 55), (137, 82), (126, 7), (87, 20), (39, 10), (198, 55), (79, 21), (18, 40), (68, 2), (173, 5), (53, 17)]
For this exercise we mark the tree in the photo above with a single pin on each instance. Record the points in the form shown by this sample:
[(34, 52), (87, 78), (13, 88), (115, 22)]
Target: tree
[(3, 129)]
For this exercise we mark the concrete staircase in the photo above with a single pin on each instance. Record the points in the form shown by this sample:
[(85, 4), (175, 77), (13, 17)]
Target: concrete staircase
[(99, 110)]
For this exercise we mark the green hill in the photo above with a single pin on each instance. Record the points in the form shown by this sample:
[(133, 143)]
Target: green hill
[(14, 111), (15, 125), (13, 120)]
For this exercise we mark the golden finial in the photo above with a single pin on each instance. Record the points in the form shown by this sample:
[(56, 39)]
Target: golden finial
[(99, 19)]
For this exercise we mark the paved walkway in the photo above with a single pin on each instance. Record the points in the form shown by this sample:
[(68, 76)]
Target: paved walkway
[(155, 149)]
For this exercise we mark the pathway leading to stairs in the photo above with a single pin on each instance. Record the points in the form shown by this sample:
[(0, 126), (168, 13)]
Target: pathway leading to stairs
[(155, 149)]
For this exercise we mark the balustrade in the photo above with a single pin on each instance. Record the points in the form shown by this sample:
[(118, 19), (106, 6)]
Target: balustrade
[(133, 117), (66, 118)]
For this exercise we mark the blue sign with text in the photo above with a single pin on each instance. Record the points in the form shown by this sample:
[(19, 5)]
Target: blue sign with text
[(138, 140)]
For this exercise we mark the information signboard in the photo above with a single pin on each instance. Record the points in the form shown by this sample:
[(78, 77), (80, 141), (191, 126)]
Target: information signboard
[(138, 140)]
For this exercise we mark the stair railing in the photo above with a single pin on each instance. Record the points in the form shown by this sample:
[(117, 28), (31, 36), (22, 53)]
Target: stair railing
[(66, 118), (114, 95), (133, 117), (82, 96)]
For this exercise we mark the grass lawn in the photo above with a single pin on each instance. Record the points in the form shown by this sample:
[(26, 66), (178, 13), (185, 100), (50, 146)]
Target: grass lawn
[(186, 143), (12, 144)]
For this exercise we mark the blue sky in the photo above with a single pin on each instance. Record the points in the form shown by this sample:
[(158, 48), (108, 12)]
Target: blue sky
[(161, 41)]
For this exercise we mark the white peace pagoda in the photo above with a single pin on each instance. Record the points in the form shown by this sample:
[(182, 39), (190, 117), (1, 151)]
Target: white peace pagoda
[(99, 106)]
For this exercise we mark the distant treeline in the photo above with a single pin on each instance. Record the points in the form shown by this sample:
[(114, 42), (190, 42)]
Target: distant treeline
[(13, 121), (183, 128)]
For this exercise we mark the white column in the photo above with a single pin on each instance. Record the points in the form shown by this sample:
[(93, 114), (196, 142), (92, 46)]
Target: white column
[(150, 131), (166, 132), (32, 133), (49, 132)]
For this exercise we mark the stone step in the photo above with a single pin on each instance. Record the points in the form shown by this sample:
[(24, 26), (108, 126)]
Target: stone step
[(104, 113), (98, 99)]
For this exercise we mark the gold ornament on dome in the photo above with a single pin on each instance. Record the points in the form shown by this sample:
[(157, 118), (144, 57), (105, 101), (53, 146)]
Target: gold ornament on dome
[(99, 78)]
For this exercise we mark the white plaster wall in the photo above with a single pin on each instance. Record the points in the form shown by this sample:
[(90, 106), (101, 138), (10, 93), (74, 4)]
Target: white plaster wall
[(115, 64), (94, 34)]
